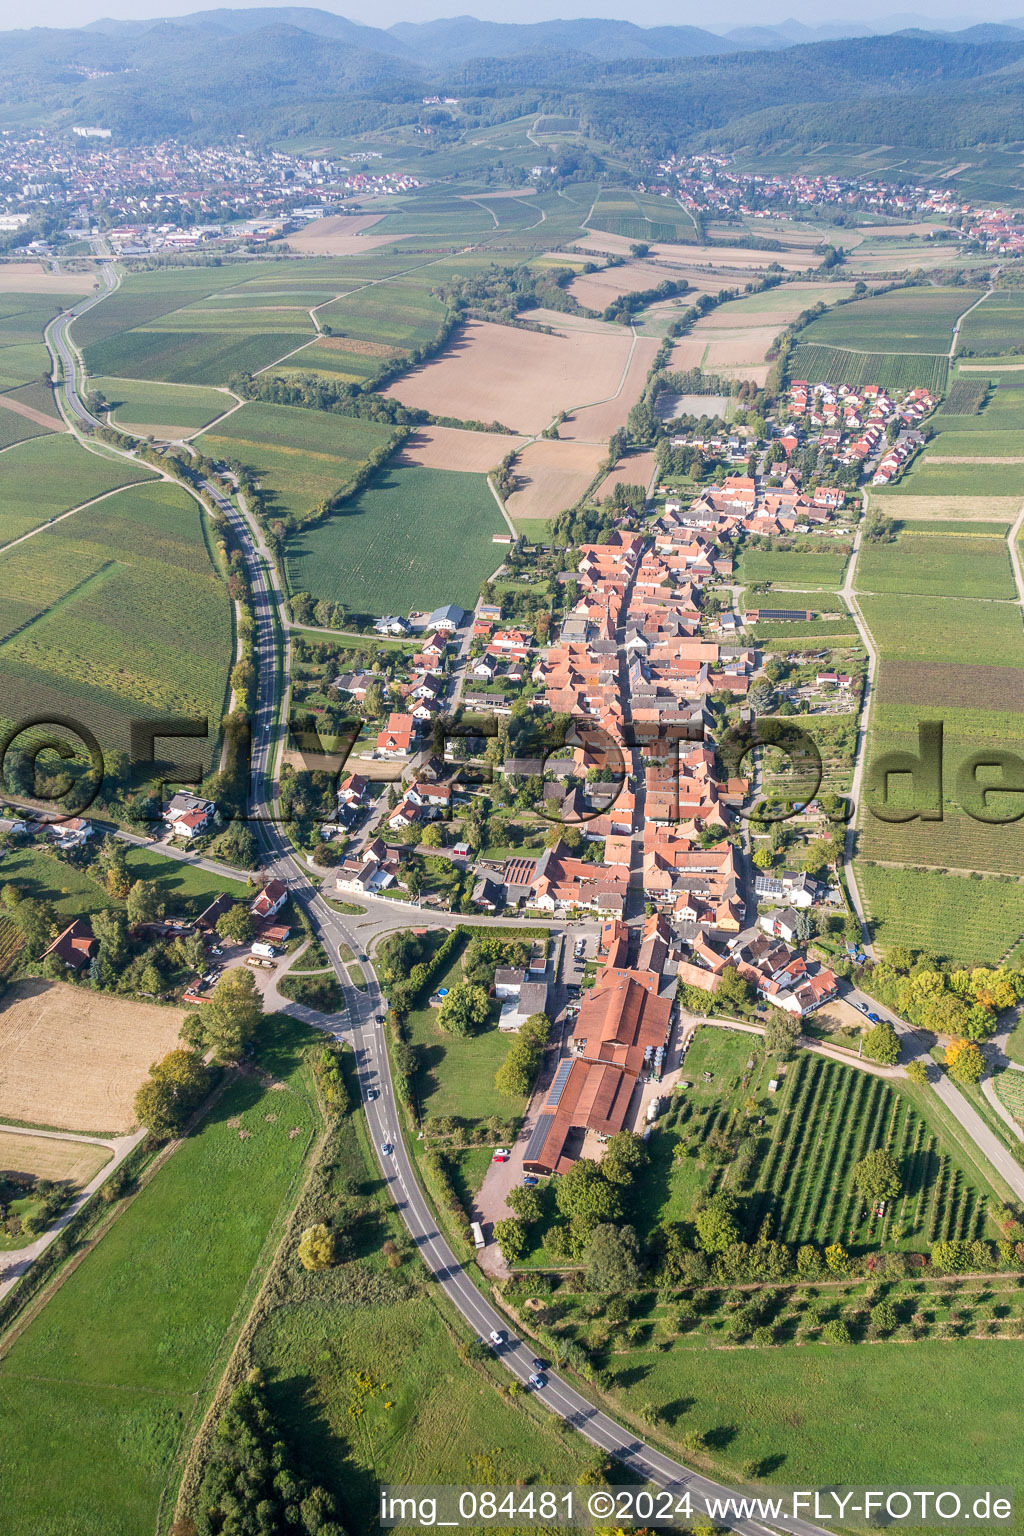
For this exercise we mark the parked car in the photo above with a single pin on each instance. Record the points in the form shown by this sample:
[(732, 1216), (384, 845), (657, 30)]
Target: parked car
[(501, 1155), (874, 1018), (530, 1180)]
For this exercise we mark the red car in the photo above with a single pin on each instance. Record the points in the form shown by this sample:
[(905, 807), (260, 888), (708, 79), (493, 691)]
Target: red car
[(501, 1155)]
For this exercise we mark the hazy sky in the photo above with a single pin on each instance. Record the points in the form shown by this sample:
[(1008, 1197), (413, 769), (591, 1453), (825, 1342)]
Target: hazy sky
[(64, 13)]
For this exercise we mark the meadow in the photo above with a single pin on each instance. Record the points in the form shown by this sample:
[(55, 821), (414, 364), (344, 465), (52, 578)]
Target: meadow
[(927, 478), (914, 628), (971, 922), (41, 479), (962, 565), (414, 538), (122, 1352), (146, 406), (185, 888), (895, 371), (115, 613), (784, 568), (301, 457), (907, 320)]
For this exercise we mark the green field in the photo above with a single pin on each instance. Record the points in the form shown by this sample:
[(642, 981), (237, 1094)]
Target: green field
[(185, 888), (975, 443), (41, 479), (926, 478), (116, 613), (906, 320), (915, 628), (300, 457), (640, 217), (971, 922), (141, 403), (23, 318), (414, 538), (897, 372), (120, 1356), (960, 565), (790, 568), (997, 325)]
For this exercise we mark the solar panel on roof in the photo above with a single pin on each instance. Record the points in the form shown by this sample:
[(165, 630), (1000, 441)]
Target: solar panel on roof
[(561, 1078)]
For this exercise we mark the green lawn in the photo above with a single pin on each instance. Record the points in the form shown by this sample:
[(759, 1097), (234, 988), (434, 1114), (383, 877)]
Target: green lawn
[(455, 1074), (142, 403), (51, 474), (958, 565), (414, 538), (97, 1394)]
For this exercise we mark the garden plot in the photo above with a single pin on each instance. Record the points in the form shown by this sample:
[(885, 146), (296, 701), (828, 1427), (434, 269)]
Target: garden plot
[(73, 1059)]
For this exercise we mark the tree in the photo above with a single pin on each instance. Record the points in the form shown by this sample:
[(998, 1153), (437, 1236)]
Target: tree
[(36, 923), (733, 989), (717, 1227), (175, 1087), (884, 1317), (432, 837), (232, 1016), (612, 1258), (763, 857), (143, 903), (837, 1259), (528, 1204), (237, 924), (882, 1044), (316, 1248), (625, 1154), (964, 1061), (464, 1010), (9, 897), (510, 1235), (586, 1197), (111, 930), (113, 865), (877, 1176), (781, 1034), (836, 1332), (917, 1073)]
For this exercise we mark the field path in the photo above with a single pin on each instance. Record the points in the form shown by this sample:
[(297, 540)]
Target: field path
[(848, 592), (963, 317), (52, 523)]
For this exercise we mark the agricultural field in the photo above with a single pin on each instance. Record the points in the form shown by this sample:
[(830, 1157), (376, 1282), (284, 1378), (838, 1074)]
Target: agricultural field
[(521, 379), (634, 216), (41, 479), (895, 371), (969, 921), (72, 1059), (789, 568), (116, 612), (913, 628), (301, 457), (596, 290), (965, 398), (161, 410), (997, 325), (905, 320), (414, 538), (24, 315), (976, 444), (474, 453), (928, 476), (45, 1157), (958, 510), (122, 1353), (551, 476), (960, 565)]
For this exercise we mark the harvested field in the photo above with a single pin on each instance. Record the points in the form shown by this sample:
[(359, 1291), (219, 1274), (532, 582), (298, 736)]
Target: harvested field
[(31, 277), (597, 289), (596, 423), (474, 453), (553, 475), (701, 255), (637, 470), (46, 1157), (519, 378), (981, 509), (775, 307), (342, 235), (74, 1059), (688, 352), (560, 322)]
